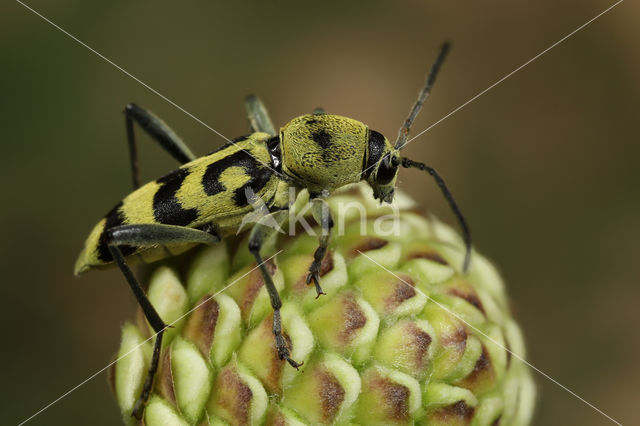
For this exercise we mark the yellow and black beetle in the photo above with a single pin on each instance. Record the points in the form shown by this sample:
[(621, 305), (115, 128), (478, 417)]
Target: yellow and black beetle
[(205, 199)]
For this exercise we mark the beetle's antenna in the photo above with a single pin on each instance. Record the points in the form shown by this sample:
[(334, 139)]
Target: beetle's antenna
[(403, 133), (452, 203)]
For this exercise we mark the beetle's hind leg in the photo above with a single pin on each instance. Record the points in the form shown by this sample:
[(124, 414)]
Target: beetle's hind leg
[(141, 236), (159, 132), (322, 215), (259, 234), (154, 319)]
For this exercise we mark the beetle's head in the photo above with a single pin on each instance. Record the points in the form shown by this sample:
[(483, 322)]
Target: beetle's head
[(382, 166)]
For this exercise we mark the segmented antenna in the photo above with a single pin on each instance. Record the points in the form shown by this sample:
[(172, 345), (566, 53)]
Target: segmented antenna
[(403, 134), (452, 203)]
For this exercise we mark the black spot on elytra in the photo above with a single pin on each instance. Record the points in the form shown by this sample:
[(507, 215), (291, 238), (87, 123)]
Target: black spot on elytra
[(258, 174), (322, 138), (166, 207), (311, 121), (114, 218)]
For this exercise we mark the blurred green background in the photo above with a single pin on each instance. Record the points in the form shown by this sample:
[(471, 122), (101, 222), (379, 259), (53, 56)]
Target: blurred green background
[(544, 166)]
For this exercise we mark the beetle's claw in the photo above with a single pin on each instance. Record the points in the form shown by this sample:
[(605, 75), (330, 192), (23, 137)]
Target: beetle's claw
[(283, 352), (314, 275)]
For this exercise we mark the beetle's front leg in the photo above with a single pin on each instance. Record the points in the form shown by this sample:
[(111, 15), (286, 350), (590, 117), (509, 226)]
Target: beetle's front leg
[(260, 232), (322, 215)]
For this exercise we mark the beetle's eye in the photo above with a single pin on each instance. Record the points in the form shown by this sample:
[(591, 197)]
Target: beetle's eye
[(386, 171)]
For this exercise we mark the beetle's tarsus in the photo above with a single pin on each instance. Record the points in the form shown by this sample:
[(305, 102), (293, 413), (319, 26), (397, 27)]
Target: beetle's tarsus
[(314, 275), (283, 352)]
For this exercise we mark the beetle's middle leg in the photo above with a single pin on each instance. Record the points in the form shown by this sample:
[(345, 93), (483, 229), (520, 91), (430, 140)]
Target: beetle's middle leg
[(148, 235), (258, 236), (158, 131), (322, 215), (259, 119)]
